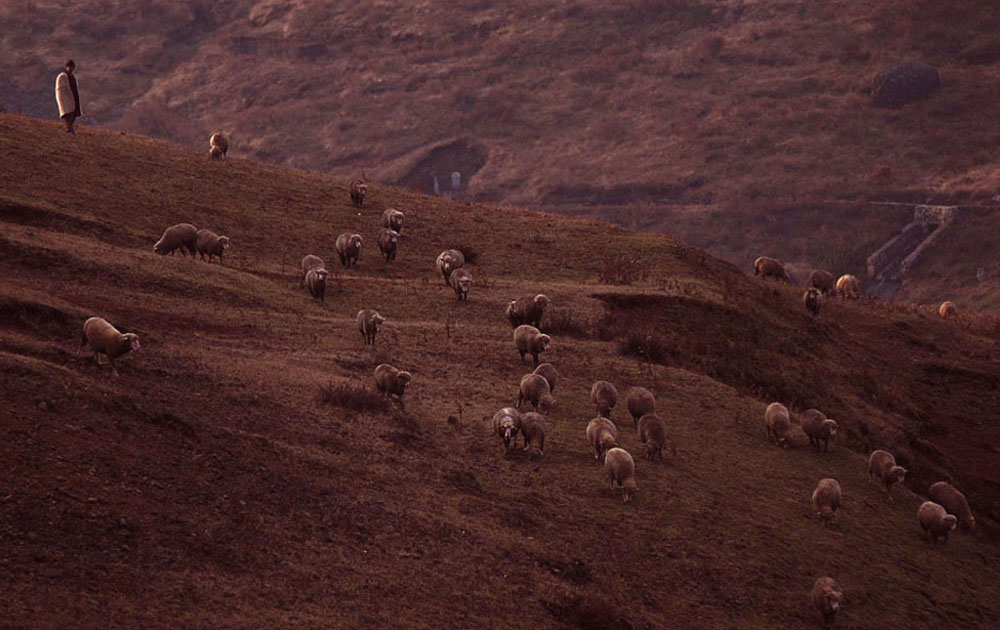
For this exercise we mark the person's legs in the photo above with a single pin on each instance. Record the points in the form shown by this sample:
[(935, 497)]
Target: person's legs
[(70, 119)]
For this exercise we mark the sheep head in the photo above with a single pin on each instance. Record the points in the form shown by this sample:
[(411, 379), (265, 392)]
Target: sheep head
[(133, 341)]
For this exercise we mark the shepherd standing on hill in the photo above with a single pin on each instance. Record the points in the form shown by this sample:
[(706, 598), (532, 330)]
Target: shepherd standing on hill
[(68, 96)]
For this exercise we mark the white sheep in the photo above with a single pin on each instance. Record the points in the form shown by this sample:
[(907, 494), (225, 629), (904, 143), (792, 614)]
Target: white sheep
[(388, 243), (812, 299), (348, 247), (316, 283), (447, 261), (461, 282), (935, 521), (393, 220), (948, 310), (639, 402), (507, 424), (620, 468), (182, 236), (818, 428), (390, 381), (827, 498), (549, 373), (370, 324), (533, 428), (602, 435), (211, 244), (527, 310), (952, 500), (535, 389), (767, 267), (528, 340), (218, 145), (882, 464), (653, 433), (103, 338), (604, 396), (849, 286), (358, 190), (778, 423), (826, 597)]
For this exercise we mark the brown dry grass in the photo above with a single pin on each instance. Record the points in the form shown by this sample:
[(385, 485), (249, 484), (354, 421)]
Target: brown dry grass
[(209, 487)]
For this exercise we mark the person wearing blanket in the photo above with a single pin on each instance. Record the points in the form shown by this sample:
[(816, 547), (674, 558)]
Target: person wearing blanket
[(68, 96)]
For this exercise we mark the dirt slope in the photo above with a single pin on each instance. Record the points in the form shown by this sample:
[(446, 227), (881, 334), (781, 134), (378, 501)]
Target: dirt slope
[(210, 486)]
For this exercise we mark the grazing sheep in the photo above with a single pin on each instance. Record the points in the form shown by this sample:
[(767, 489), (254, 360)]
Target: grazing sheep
[(506, 424), (548, 372), (369, 323), (935, 521), (827, 498), (527, 310), (388, 243), (811, 298), (948, 310), (767, 267), (826, 596), (778, 423), (639, 401), (818, 427), (653, 433), (211, 244), (393, 219), (391, 382), (535, 389), (348, 247), (358, 191), (103, 338), (218, 145), (461, 282), (604, 396), (182, 236), (602, 435), (882, 464), (621, 470), (822, 280), (316, 282), (848, 286), (949, 497), (528, 340), (449, 260), (533, 428)]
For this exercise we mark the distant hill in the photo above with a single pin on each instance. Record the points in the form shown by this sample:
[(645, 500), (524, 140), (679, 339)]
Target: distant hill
[(241, 473)]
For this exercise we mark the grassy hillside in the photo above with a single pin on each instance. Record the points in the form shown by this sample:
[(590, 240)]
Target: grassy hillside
[(214, 484), (701, 101)]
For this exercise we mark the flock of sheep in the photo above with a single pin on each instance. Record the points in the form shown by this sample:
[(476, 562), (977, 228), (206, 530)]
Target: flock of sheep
[(936, 517), (821, 284)]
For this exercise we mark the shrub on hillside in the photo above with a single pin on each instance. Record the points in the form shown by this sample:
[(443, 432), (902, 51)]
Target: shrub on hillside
[(622, 269), (565, 324)]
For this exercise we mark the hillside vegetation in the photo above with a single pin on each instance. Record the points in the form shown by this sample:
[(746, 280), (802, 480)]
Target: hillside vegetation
[(226, 480)]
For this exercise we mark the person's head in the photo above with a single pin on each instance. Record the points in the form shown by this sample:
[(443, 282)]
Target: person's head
[(70, 66)]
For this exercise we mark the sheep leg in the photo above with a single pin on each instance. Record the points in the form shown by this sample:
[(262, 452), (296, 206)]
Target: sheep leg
[(522, 356), (114, 370)]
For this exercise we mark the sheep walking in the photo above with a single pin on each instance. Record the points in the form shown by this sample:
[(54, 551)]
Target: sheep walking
[(812, 298), (935, 521), (388, 243), (316, 283), (948, 310), (506, 425), (849, 287), (103, 338), (527, 310), (211, 244), (823, 280), (533, 428), (827, 595), (528, 340), (549, 373), (620, 468), (390, 381), (461, 282), (604, 396), (778, 423), (310, 261), (818, 428), (370, 324), (767, 267), (535, 389), (653, 433), (602, 435), (358, 190), (348, 247), (952, 500), (448, 261), (639, 402), (182, 236), (827, 498), (218, 145), (392, 219), (882, 464)]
